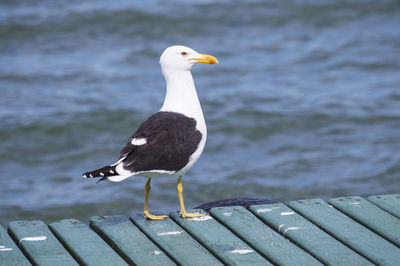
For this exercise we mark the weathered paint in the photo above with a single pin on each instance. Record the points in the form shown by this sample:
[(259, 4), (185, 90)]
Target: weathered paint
[(349, 231), (371, 216), (39, 244), (390, 203), (181, 247), (9, 252), (358, 237), (309, 237), (130, 243), (262, 238), (85, 245), (219, 240)]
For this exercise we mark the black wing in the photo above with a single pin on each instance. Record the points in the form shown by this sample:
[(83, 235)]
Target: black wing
[(171, 138)]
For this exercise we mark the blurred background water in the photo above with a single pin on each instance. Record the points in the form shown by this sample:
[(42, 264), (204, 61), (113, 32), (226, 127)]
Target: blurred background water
[(304, 103)]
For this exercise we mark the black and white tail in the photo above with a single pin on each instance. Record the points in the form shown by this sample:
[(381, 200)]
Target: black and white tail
[(102, 172)]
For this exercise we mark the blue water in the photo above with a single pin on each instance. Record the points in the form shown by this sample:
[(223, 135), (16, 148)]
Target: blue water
[(304, 103)]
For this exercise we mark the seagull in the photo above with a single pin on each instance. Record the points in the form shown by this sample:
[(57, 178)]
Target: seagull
[(170, 141)]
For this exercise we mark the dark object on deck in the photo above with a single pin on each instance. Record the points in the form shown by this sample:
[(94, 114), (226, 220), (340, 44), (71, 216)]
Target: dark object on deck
[(245, 202)]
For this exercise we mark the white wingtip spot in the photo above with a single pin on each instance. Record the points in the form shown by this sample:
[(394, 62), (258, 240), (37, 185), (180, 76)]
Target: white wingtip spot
[(138, 142), (84, 176), (111, 171), (120, 160), (101, 173), (91, 175)]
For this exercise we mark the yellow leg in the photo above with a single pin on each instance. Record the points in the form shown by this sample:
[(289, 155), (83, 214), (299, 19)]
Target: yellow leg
[(183, 212), (147, 189)]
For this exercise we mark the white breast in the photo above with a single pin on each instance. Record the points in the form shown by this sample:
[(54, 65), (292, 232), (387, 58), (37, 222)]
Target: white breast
[(182, 98), (196, 155)]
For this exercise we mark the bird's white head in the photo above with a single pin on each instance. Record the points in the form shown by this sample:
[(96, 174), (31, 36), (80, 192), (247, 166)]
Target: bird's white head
[(180, 57)]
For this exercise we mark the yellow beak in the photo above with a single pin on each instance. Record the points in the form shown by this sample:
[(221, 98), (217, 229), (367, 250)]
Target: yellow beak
[(205, 58)]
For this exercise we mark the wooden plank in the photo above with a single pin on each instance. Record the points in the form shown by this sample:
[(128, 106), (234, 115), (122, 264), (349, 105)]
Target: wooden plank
[(390, 203), (9, 252), (84, 244), (342, 227), (175, 241), (39, 244), (130, 243), (308, 236), (262, 238), (220, 241), (371, 216)]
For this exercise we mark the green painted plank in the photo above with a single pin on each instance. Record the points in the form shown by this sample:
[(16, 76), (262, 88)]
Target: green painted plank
[(308, 236), (342, 227), (262, 238), (371, 216), (175, 241), (9, 252), (84, 244), (220, 241), (390, 203), (130, 243), (39, 244)]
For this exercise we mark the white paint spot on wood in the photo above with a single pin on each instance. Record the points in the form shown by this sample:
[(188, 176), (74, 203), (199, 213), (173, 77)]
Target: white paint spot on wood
[(267, 209), (33, 238), (201, 218), (287, 213), (354, 203), (330, 206), (155, 252), (227, 214), (290, 229), (138, 142), (3, 248), (241, 251), (280, 227), (170, 233)]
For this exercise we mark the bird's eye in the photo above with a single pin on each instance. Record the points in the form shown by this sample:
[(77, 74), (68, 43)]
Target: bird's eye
[(183, 53)]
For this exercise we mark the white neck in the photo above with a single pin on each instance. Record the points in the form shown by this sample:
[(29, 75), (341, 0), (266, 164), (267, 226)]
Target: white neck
[(181, 94)]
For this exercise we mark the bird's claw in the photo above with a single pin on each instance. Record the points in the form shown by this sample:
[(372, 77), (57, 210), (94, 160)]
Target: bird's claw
[(154, 217), (191, 215)]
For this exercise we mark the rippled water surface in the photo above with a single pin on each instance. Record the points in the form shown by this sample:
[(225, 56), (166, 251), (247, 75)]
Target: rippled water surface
[(304, 103)]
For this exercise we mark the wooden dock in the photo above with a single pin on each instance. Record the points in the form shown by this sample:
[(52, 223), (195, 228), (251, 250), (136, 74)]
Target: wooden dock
[(341, 231)]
